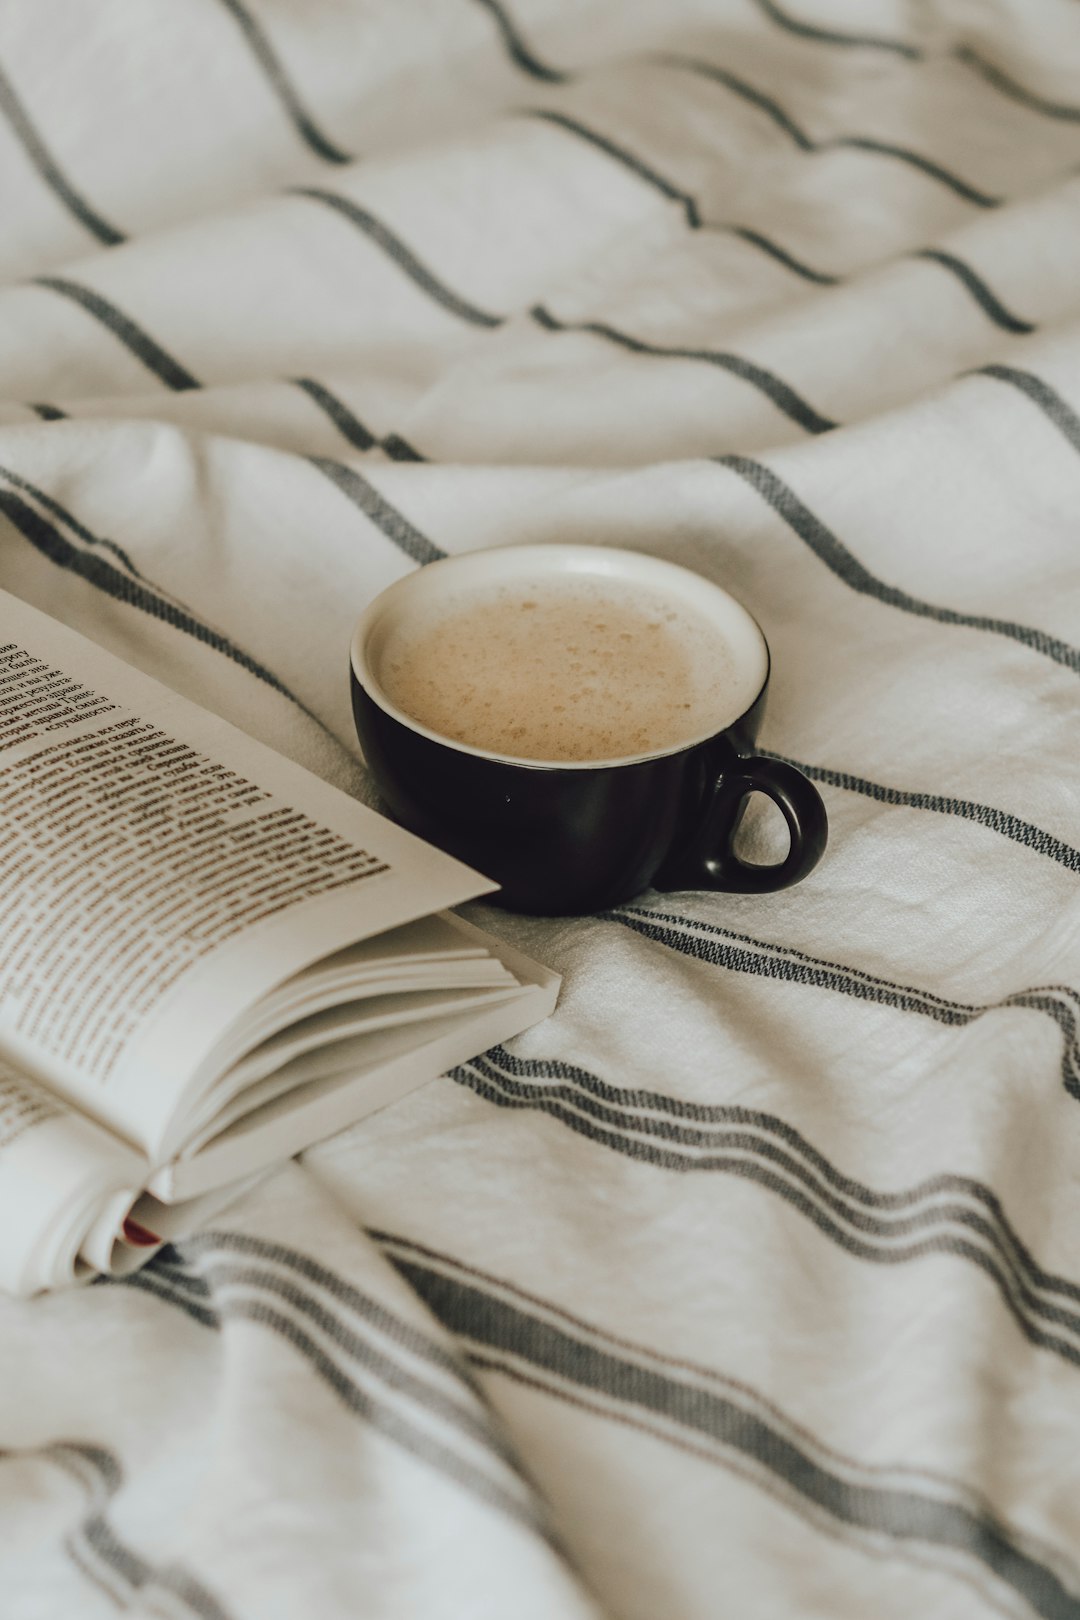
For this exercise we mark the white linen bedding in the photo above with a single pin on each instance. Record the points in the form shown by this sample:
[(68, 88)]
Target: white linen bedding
[(747, 1285)]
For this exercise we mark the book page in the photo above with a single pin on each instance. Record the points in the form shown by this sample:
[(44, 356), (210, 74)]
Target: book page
[(160, 871), (60, 1179)]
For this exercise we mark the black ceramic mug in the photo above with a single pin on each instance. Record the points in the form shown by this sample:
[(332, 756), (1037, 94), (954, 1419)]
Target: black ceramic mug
[(566, 836)]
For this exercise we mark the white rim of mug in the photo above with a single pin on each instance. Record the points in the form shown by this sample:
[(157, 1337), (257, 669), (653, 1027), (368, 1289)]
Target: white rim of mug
[(536, 560)]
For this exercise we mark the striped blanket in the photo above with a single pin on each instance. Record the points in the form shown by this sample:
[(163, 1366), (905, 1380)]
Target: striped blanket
[(747, 1285)]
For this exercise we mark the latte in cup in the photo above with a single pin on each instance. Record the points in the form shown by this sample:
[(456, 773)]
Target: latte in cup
[(579, 722), (566, 667)]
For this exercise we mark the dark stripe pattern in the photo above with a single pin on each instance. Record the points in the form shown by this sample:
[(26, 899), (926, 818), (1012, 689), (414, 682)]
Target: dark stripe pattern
[(99, 1553), (48, 541), (765, 244), (923, 1517), (846, 566), (741, 953), (965, 54), (987, 300), (834, 36), (170, 1278), (276, 77), (39, 496), (852, 143), (47, 167), (993, 75), (628, 160), (985, 815), (945, 1214), (407, 1386), (518, 51), (403, 256), (739, 87), (399, 449), (394, 524), (140, 593), (766, 382), (134, 339), (350, 426), (815, 34), (983, 295), (1053, 407)]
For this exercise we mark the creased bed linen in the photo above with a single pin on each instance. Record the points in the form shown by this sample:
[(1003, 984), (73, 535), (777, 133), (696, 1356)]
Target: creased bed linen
[(748, 1284)]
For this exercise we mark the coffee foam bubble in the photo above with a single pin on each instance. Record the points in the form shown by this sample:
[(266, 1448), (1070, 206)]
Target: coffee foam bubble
[(566, 668)]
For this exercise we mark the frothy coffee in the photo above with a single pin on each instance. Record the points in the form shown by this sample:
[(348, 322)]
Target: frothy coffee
[(560, 668)]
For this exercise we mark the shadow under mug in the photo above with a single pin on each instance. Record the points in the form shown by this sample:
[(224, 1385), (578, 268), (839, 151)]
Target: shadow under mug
[(567, 837)]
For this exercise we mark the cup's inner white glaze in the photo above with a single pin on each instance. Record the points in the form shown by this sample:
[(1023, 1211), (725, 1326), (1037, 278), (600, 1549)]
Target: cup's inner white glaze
[(560, 656)]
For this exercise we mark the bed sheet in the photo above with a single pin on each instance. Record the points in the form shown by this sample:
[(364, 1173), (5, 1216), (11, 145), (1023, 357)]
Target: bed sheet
[(747, 1285)]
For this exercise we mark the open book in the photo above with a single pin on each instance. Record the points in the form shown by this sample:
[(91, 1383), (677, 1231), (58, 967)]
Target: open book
[(209, 960)]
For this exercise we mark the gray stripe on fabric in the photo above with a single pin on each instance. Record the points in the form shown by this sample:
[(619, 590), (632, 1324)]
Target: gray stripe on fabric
[(47, 540), (741, 88), (993, 75), (915, 160), (264, 53), (398, 449), (114, 1566), (394, 524), (91, 1568), (134, 339), (259, 1279), (913, 997), (847, 567), (982, 294), (133, 1571), (806, 143), (755, 239), (350, 426), (967, 278), (401, 255), (944, 1228), (476, 1423), (516, 48), (19, 482), (170, 1263), (876, 1545), (581, 1083), (621, 155), (207, 1248), (834, 36), (984, 815), (50, 171), (398, 1247), (419, 1444), (1053, 407), (708, 944), (148, 1281), (143, 1578), (731, 1129), (362, 1305), (781, 393), (189, 1591), (972, 283), (965, 54), (221, 1277), (915, 1522)]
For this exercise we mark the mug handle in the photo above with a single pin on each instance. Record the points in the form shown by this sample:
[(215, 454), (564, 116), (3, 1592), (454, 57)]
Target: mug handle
[(713, 864)]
